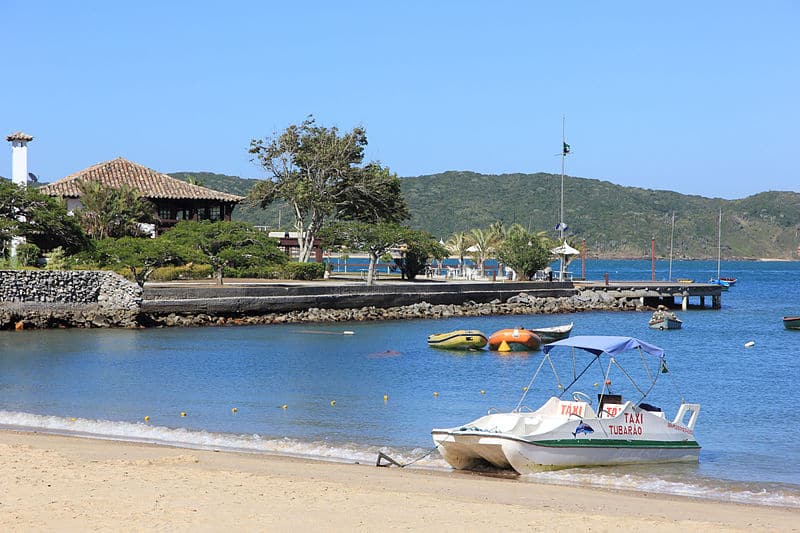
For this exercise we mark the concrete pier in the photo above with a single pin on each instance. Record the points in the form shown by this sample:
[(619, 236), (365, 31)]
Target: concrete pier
[(654, 293)]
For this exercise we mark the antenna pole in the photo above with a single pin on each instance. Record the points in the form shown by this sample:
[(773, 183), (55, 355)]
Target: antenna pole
[(719, 242), (671, 238), (561, 217)]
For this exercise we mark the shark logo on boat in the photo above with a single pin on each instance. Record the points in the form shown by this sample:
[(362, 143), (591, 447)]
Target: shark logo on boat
[(586, 429)]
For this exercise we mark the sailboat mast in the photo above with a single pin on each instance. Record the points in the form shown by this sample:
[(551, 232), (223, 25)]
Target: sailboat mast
[(719, 242), (563, 165), (561, 225), (671, 236)]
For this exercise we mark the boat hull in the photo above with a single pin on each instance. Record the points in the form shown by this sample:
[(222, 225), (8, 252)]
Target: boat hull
[(553, 334), (558, 435), (527, 457), (463, 339), (666, 323), (791, 322), (517, 339)]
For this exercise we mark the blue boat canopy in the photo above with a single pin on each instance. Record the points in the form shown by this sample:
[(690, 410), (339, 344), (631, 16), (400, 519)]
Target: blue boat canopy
[(598, 344)]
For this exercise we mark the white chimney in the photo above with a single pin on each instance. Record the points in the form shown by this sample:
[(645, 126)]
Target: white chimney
[(19, 157)]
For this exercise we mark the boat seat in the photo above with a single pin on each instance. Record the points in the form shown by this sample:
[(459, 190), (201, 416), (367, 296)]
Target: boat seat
[(610, 410), (609, 405), (652, 409)]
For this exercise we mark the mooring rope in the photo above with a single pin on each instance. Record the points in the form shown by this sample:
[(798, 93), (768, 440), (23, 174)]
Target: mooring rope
[(382, 455)]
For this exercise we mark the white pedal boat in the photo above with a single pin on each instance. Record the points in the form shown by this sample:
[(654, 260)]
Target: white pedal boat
[(572, 432)]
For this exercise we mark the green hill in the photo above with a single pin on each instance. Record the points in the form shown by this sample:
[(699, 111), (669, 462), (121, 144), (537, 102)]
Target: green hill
[(614, 221)]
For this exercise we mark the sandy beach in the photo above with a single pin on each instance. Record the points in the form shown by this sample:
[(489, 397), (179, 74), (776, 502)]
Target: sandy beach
[(57, 483)]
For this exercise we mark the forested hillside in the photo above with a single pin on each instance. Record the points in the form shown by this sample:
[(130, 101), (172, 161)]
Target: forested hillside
[(614, 221)]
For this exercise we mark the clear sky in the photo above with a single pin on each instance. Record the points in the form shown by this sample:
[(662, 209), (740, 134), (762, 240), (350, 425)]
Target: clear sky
[(698, 97)]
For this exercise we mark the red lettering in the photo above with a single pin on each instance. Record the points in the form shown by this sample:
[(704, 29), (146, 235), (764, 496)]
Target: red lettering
[(634, 418)]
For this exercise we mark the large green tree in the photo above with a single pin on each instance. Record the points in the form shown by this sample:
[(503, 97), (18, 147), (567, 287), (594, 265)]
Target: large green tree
[(141, 256), (522, 252), (225, 244), (113, 211), (42, 220), (417, 249), (375, 239), (316, 170)]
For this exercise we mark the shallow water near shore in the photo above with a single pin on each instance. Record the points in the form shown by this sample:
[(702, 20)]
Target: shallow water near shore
[(310, 390)]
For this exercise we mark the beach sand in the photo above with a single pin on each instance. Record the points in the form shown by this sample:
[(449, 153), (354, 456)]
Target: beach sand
[(57, 483)]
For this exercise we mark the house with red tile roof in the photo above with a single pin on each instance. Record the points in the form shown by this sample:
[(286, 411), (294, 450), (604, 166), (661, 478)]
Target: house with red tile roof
[(175, 200)]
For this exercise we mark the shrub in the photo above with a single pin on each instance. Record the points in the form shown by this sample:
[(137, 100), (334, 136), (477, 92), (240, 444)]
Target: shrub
[(57, 259), (27, 254), (304, 271), (188, 271)]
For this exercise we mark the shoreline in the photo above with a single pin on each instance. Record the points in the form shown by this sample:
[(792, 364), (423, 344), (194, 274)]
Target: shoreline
[(65, 482)]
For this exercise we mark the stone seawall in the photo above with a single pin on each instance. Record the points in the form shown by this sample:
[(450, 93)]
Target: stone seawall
[(531, 301), (48, 299), (67, 298), (286, 297)]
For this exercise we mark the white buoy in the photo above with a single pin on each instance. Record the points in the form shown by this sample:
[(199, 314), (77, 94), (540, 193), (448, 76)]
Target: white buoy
[(749, 344)]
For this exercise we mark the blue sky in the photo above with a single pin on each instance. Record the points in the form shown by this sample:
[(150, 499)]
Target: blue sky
[(696, 97)]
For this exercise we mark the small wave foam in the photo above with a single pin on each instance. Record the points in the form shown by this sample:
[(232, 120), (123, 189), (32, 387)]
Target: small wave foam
[(671, 480), (695, 486), (198, 439)]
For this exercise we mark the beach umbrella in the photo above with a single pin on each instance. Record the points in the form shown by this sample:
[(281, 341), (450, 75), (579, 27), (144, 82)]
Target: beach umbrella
[(566, 254)]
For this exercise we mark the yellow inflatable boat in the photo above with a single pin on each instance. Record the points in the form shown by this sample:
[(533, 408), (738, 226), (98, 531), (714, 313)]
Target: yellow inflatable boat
[(462, 339)]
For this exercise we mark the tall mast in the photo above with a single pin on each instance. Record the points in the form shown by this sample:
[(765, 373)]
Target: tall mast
[(719, 241), (671, 237), (561, 225), (564, 151)]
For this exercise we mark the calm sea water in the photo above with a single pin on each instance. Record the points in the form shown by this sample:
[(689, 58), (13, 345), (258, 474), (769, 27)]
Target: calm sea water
[(282, 381)]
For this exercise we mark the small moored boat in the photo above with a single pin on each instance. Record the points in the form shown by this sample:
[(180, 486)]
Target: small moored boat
[(791, 322), (571, 431), (514, 340), (462, 339), (664, 319), (554, 333), (729, 281)]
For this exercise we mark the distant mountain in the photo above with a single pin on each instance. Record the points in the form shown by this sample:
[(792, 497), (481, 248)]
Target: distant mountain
[(615, 221)]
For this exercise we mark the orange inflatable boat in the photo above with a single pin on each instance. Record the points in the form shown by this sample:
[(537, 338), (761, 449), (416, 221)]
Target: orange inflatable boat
[(516, 340)]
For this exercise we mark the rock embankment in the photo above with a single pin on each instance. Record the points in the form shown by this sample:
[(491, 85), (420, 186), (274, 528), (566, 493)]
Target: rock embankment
[(522, 304), (67, 298)]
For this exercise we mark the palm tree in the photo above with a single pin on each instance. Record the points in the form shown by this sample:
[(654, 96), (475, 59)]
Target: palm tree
[(496, 231), (457, 245), (482, 248), (112, 211), (543, 239)]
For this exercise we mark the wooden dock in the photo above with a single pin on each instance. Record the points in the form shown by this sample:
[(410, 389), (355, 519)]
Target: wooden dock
[(654, 293)]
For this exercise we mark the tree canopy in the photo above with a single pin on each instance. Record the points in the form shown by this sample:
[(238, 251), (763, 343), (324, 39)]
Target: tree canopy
[(418, 247), (42, 220), (225, 244), (523, 253), (316, 171), (375, 239), (113, 211), (141, 256)]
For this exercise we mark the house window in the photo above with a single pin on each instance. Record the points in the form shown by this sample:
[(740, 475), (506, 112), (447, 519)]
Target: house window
[(213, 212), (164, 212)]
